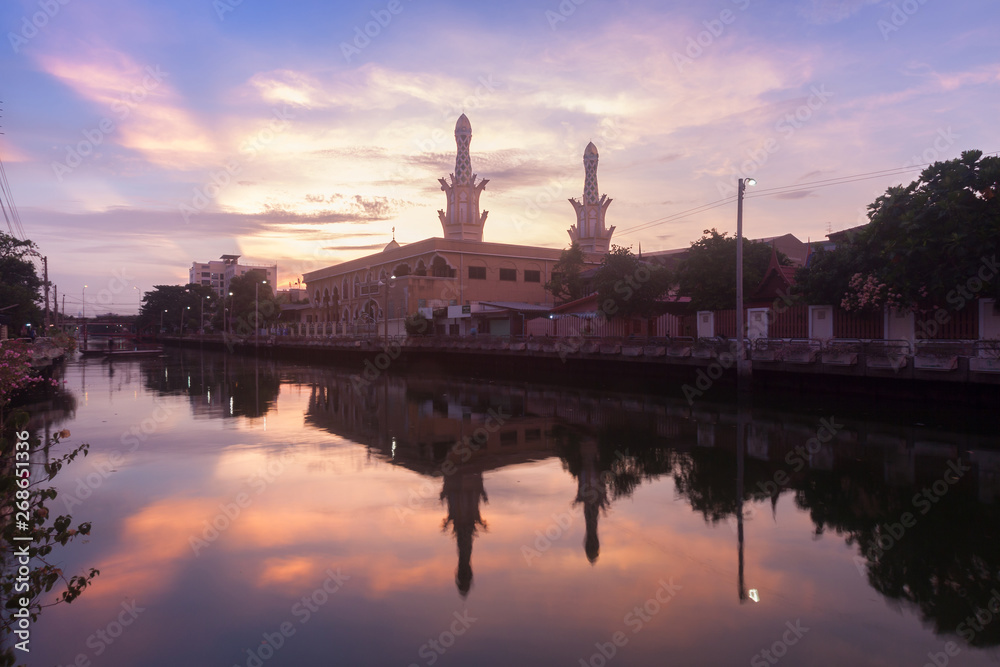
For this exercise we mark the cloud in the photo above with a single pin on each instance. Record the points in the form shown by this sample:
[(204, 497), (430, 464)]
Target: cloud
[(141, 110), (833, 11), (802, 194)]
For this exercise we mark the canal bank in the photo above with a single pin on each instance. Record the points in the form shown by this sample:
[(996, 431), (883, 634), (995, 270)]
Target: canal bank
[(705, 370)]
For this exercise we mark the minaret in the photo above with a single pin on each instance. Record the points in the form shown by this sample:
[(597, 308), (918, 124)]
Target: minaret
[(589, 230), (462, 219)]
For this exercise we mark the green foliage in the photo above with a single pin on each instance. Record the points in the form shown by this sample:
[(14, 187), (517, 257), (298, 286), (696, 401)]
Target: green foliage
[(171, 303), (45, 532), (416, 325), (708, 274), (925, 241), (253, 302), (627, 286), (824, 281), (566, 284), (19, 283)]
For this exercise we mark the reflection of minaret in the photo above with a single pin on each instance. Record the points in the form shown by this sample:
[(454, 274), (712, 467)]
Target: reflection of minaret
[(592, 492), (462, 219), (463, 492), (590, 231)]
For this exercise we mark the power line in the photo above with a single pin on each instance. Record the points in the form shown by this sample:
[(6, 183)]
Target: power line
[(781, 190)]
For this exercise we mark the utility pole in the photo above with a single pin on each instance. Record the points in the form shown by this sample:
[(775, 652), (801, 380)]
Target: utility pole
[(55, 306), (45, 320)]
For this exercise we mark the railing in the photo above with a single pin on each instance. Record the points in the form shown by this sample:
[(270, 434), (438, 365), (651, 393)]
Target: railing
[(879, 355)]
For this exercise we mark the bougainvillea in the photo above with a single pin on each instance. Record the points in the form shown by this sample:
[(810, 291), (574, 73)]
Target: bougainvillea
[(15, 370), (867, 292)]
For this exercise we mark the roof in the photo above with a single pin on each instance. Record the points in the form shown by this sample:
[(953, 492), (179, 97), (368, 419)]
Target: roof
[(518, 306), (430, 245)]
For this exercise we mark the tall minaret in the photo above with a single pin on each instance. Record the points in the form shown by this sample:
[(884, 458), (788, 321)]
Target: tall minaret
[(462, 219), (589, 230)]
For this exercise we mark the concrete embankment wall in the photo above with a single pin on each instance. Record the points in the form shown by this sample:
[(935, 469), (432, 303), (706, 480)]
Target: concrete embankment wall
[(631, 369)]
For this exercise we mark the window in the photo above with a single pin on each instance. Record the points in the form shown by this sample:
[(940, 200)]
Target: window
[(453, 302), (477, 273), (421, 303), (508, 438), (532, 276), (508, 274)]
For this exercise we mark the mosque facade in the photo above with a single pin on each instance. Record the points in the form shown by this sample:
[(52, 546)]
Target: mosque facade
[(459, 282)]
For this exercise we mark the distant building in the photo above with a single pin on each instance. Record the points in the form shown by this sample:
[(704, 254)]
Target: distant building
[(218, 273)]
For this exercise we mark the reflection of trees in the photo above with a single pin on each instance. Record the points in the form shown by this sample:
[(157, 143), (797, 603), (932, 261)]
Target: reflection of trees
[(608, 467), (947, 565), (216, 385)]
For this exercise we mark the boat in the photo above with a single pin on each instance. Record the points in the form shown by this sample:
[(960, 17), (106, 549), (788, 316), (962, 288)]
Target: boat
[(136, 351)]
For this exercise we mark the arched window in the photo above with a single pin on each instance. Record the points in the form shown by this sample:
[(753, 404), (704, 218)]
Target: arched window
[(440, 268), (421, 269)]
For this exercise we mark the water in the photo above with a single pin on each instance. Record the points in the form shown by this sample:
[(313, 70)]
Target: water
[(572, 527)]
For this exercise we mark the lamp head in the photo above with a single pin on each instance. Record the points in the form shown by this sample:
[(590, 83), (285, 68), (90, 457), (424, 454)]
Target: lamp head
[(750, 181)]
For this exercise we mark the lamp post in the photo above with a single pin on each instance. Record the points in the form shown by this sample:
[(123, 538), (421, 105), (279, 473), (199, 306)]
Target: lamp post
[(256, 314), (742, 367), (161, 319), (229, 320), (83, 300), (385, 304), (202, 320), (182, 319)]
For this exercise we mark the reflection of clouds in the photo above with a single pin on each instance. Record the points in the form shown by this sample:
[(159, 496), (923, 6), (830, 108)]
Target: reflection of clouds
[(152, 549)]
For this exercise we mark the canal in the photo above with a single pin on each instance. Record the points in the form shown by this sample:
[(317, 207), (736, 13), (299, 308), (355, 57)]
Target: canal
[(260, 513)]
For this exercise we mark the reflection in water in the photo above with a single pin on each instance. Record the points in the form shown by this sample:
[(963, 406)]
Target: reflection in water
[(653, 485), (463, 491), (857, 483), (218, 385)]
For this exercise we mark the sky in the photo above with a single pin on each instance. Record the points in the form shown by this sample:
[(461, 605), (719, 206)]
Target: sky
[(142, 135)]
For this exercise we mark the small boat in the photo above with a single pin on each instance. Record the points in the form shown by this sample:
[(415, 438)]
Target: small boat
[(136, 352)]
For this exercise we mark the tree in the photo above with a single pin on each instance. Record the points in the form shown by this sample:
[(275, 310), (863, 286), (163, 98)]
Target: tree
[(417, 325), (708, 274), (827, 276), (566, 283), (628, 287), (931, 242), (20, 286), (172, 303), (253, 302)]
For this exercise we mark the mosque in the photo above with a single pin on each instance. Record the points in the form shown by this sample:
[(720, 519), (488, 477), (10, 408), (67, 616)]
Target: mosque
[(459, 282)]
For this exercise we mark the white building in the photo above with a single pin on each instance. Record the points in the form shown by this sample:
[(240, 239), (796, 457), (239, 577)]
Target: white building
[(218, 273)]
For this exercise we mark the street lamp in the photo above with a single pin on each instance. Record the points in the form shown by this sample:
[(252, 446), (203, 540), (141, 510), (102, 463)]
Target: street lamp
[(385, 303), (742, 367), (83, 299), (229, 319), (202, 321), (182, 319), (256, 313), (161, 319)]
